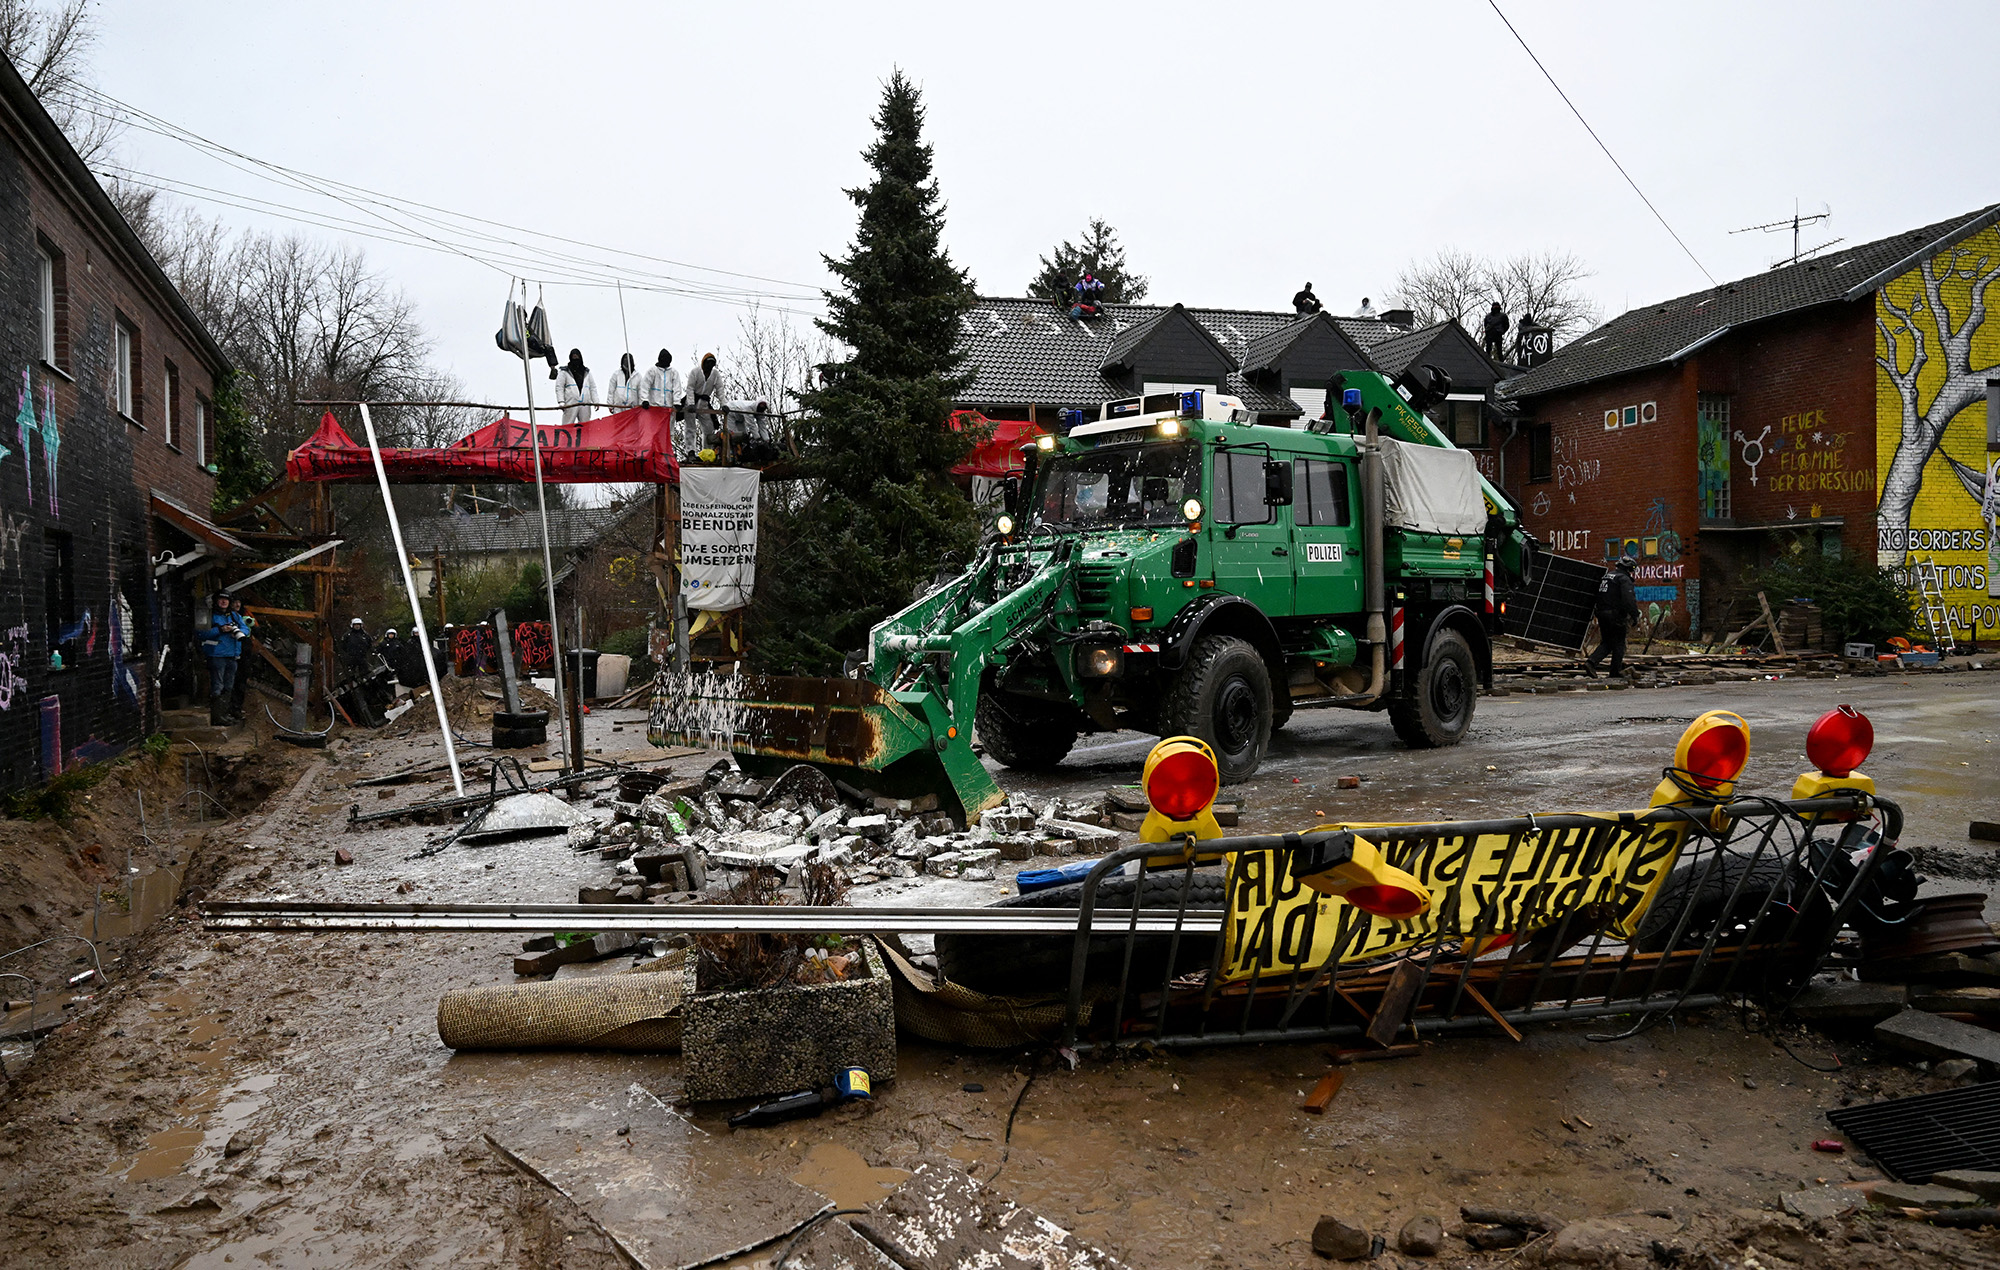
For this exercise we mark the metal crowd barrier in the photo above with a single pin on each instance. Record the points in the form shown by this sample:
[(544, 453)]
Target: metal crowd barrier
[(1717, 932)]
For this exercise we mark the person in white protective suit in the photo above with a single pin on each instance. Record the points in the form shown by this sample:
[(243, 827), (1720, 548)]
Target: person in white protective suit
[(576, 389), (623, 394), (752, 419), (660, 385), (699, 397)]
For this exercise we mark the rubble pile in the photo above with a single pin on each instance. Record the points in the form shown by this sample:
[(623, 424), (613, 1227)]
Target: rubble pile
[(675, 841)]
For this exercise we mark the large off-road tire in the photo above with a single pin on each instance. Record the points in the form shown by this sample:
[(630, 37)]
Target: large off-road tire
[(1223, 696), (1438, 709), (1703, 891), (1038, 965), (1022, 734)]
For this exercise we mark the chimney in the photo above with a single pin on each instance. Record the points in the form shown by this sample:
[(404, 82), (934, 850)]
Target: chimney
[(1404, 318)]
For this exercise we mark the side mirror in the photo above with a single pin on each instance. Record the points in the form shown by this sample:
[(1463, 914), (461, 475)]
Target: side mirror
[(1010, 495), (1277, 483)]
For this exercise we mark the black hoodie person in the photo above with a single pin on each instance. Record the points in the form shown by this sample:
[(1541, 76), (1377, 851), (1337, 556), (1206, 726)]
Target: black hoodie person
[(576, 389)]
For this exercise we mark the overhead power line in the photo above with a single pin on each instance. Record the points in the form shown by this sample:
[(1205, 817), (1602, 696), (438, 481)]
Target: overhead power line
[(392, 218), (1600, 142)]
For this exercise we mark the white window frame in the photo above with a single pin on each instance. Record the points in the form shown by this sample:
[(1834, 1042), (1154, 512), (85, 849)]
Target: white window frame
[(124, 361), (170, 385), (200, 432), (48, 266)]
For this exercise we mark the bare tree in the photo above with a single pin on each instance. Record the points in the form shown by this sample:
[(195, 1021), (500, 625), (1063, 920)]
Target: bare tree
[(1458, 286), (1910, 340), (51, 47), (772, 360)]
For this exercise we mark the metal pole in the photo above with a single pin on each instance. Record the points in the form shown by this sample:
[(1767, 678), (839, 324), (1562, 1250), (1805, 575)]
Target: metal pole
[(575, 762), (416, 605)]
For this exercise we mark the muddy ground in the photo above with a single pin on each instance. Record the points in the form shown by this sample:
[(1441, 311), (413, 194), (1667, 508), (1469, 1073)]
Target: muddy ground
[(283, 1100)]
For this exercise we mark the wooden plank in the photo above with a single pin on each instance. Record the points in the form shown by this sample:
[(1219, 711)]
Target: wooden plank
[(1323, 1093), (1410, 1050), (1486, 1007), (1777, 638), (302, 615), (1397, 999)]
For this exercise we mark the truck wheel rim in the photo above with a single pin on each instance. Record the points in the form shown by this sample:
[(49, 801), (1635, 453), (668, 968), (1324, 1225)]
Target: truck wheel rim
[(1235, 716), (1448, 694)]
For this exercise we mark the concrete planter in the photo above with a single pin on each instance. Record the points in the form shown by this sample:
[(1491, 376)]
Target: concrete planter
[(776, 1040)]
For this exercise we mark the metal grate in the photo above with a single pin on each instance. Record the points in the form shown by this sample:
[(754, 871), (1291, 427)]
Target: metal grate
[(1093, 588), (1913, 1138)]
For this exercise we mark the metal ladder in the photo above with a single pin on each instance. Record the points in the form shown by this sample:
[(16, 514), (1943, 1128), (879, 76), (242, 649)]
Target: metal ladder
[(1930, 590)]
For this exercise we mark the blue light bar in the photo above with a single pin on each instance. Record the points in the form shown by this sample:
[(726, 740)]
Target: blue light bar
[(1191, 404), (1069, 418), (1350, 397)]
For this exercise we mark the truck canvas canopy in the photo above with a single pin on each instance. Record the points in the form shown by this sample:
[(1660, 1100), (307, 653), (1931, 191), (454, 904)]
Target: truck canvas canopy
[(1432, 491)]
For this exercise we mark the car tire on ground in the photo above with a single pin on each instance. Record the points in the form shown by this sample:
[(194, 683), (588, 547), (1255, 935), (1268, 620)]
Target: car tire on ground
[(524, 719), (519, 738), (1703, 890), (1223, 696), (1021, 734), (1438, 709), (1039, 965)]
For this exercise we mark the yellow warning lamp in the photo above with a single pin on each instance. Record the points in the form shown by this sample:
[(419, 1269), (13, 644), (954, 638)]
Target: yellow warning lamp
[(1351, 868), (1837, 744), (1710, 756), (1181, 780)]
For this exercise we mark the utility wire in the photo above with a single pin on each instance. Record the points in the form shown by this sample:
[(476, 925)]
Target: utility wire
[(1600, 142), (104, 105)]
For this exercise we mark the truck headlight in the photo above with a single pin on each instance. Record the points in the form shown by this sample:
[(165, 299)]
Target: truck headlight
[(1191, 509), (1100, 662), (1005, 525)]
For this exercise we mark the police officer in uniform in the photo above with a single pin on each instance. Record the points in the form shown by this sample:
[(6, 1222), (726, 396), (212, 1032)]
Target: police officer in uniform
[(1617, 609)]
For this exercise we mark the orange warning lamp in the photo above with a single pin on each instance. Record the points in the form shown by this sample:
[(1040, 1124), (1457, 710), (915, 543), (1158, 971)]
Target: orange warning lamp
[(1710, 756), (1351, 868), (1181, 779), (1837, 743)]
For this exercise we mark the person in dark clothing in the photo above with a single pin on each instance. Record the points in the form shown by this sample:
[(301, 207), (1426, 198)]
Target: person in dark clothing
[(355, 646), (1617, 609), (1305, 303), (1494, 336), (396, 653)]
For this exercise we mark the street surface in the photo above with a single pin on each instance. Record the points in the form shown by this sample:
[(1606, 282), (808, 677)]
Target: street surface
[(283, 1100)]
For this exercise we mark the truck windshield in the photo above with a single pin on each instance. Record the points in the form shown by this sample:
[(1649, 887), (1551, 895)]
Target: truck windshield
[(1120, 485)]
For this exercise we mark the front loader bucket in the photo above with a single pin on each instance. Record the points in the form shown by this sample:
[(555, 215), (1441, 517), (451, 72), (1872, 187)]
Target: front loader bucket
[(890, 745)]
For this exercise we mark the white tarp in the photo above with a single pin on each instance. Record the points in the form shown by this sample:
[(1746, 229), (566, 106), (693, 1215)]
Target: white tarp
[(1432, 491), (718, 536)]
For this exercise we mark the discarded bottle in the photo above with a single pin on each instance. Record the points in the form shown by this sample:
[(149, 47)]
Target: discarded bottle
[(848, 1083)]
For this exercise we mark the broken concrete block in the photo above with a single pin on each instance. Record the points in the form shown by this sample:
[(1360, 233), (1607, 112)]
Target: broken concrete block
[(1125, 798), (1984, 1002), (1058, 846), (1933, 1037), (1003, 821), (1421, 1236), (1226, 814), (917, 849), (1942, 968), (875, 826), (1953, 1068), (1013, 850), (1334, 1238), (925, 802), (1822, 1203), (1129, 821), (1076, 831), (1978, 1181), (633, 894), (742, 787), (955, 863), (1349, 782), (596, 895), (341, 855), (1849, 1000), (1909, 1195), (899, 869)]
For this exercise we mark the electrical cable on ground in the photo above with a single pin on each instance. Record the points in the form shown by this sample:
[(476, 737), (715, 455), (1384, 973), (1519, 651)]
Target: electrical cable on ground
[(1600, 142)]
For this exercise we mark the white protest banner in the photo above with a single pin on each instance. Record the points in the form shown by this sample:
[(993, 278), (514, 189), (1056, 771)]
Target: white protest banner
[(718, 536)]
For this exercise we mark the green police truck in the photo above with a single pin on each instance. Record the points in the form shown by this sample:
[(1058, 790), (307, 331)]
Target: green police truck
[(1170, 567)]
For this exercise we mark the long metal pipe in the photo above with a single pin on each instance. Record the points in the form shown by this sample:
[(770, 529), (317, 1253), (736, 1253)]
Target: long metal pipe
[(416, 605), (705, 918), (575, 761), (1373, 590)]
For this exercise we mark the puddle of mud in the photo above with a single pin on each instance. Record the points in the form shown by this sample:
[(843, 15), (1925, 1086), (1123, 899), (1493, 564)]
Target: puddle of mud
[(136, 905), (839, 1173)]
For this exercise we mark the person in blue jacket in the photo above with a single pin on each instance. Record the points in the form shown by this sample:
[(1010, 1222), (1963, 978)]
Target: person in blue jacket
[(225, 645)]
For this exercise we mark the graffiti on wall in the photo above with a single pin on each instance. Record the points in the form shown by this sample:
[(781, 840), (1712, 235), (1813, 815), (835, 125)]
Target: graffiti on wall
[(532, 648), (13, 647), (28, 425), (1934, 351), (1712, 464)]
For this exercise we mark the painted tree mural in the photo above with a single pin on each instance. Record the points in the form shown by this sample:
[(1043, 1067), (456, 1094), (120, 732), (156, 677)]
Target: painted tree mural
[(1936, 353)]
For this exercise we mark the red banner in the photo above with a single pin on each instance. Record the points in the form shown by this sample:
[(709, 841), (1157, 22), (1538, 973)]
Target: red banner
[(1000, 456), (632, 445)]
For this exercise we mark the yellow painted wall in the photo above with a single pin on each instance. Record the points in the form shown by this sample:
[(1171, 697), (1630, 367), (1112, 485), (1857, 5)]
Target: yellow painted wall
[(1935, 352)]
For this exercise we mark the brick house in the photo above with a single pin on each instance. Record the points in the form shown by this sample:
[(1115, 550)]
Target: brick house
[(1816, 406), (104, 478)]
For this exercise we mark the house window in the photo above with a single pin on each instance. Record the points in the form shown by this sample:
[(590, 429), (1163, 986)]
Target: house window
[(1541, 453), (53, 300), (59, 598), (1464, 421), (1712, 455), (48, 298), (170, 407), (201, 445), (127, 355)]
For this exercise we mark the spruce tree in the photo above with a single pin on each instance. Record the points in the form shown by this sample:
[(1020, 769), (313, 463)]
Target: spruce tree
[(1101, 254), (881, 512)]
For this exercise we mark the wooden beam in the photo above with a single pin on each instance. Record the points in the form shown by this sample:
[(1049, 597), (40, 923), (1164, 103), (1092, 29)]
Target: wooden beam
[(1397, 1000), (1486, 1007), (1323, 1093), (304, 615)]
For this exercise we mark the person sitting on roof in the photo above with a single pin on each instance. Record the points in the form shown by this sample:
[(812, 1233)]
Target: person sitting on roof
[(1366, 310), (1089, 292), (1305, 303), (576, 389)]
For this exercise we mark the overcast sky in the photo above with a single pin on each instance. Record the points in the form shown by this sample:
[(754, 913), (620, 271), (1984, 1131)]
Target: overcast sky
[(1239, 149)]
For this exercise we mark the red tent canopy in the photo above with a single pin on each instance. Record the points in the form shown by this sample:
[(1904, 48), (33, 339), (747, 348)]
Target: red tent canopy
[(632, 445), (1000, 456)]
